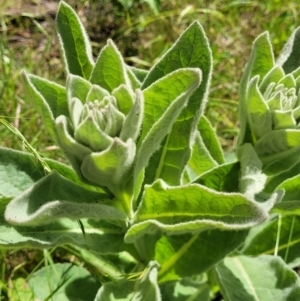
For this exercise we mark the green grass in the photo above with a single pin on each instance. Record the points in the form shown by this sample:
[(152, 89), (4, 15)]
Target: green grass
[(28, 40)]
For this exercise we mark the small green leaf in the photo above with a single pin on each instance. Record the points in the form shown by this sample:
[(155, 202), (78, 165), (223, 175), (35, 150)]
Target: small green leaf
[(145, 288), (240, 280), (38, 101), (273, 76), (260, 63), (111, 167), (133, 78), (74, 42), (210, 140), (200, 160), (55, 197), (110, 70), (124, 97), (224, 178), (278, 150), (133, 121), (289, 57), (54, 94), (259, 115), (77, 87), (65, 280)]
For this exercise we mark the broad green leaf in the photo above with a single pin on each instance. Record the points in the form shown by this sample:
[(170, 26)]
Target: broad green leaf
[(54, 94), (224, 178), (185, 289), (264, 278), (55, 197), (74, 42), (210, 140), (187, 255), (37, 100), (20, 170), (258, 112), (110, 70), (68, 282), (190, 50), (160, 116), (194, 208), (289, 57), (275, 236), (260, 63), (279, 150), (95, 235), (143, 289)]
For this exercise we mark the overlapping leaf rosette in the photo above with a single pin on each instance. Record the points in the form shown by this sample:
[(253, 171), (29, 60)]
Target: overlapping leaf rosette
[(270, 104), (99, 136)]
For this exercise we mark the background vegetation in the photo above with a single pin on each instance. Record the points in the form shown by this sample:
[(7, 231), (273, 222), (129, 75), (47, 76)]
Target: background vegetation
[(143, 31)]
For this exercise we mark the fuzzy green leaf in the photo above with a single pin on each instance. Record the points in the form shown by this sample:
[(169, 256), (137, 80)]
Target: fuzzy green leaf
[(224, 178), (144, 289), (240, 280), (179, 254), (110, 70), (259, 115), (194, 208), (289, 57), (38, 101), (210, 140), (74, 42), (276, 236), (55, 197), (200, 160), (65, 231), (190, 50), (173, 92), (20, 170), (260, 62), (279, 150), (54, 94)]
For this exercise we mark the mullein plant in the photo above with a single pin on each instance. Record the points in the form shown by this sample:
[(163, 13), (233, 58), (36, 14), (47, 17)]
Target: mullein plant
[(158, 207)]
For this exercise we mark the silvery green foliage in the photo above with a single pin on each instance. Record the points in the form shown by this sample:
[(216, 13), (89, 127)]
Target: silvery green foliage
[(270, 104), (148, 198)]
